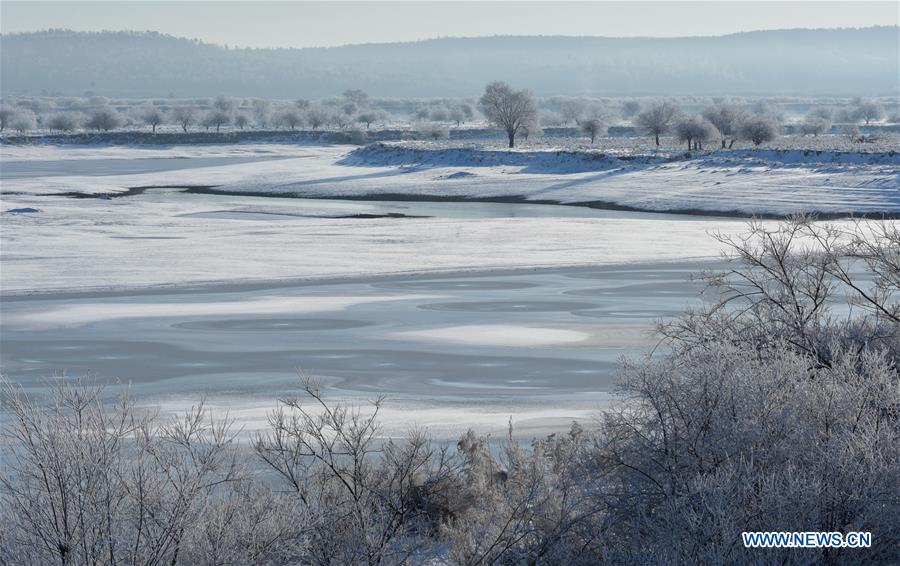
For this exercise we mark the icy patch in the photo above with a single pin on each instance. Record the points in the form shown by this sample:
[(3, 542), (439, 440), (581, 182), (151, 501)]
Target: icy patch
[(495, 335), (86, 313)]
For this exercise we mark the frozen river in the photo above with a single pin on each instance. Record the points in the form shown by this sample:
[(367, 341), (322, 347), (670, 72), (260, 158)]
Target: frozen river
[(447, 351), (205, 298)]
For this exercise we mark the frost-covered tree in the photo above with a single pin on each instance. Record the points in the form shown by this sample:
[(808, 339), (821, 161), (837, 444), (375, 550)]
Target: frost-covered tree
[(369, 117), (241, 120), (727, 119), (105, 118), (694, 130), (851, 132), (301, 104), (759, 129), (153, 117), (216, 118), (816, 122), (868, 111), (572, 109), (593, 127), (184, 116), (262, 112), (507, 108), (6, 114), (23, 120), (657, 119), (531, 129), (291, 119), (64, 121), (551, 118), (316, 117)]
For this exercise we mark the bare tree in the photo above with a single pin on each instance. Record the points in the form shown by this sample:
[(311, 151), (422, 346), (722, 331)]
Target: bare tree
[(153, 117), (594, 127), (507, 108), (369, 117), (91, 483), (367, 506), (657, 119), (868, 110), (216, 119), (184, 116)]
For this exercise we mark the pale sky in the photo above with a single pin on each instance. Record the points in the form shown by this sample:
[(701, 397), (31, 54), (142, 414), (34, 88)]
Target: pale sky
[(314, 24)]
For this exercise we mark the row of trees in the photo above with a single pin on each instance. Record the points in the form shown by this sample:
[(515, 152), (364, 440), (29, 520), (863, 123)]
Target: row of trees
[(726, 121), (771, 410), (516, 112)]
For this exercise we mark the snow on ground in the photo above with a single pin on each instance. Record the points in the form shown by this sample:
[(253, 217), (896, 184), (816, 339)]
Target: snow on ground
[(495, 335), (82, 244), (773, 182), (59, 243)]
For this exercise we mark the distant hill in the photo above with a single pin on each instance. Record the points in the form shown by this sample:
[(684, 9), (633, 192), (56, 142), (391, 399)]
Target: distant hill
[(800, 62)]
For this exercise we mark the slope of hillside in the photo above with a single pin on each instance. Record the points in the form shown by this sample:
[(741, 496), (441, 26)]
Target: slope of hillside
[(781, 62)]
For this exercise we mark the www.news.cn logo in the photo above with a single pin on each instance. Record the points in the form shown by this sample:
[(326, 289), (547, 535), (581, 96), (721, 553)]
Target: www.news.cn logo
[(812, 539)]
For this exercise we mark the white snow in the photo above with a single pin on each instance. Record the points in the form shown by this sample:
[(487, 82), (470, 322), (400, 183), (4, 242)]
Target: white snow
[(82, 313), (80, 244), (495, 335)]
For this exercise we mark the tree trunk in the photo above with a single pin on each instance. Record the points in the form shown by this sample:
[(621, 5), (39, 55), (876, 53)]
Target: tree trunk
[(512, 138), (689, 144), (657, 140), (731, 145), (723, 143)]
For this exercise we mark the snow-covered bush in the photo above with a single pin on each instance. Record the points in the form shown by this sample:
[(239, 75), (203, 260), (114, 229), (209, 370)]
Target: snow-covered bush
[(64, 121), (759, 129), (23, 120), (694, 130), (105, 119)]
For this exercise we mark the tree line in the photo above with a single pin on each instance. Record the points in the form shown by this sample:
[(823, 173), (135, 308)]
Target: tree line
[(517, 113)]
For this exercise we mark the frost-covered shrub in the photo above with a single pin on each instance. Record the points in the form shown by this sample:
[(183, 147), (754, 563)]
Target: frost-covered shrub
[(694, 130), (23, 120), (593, 127), (64, 121), (105, 118), (434, 131), (759, 129)]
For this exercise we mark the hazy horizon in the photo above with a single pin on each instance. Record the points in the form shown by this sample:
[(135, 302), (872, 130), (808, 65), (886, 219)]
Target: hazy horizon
[(326, 24)]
